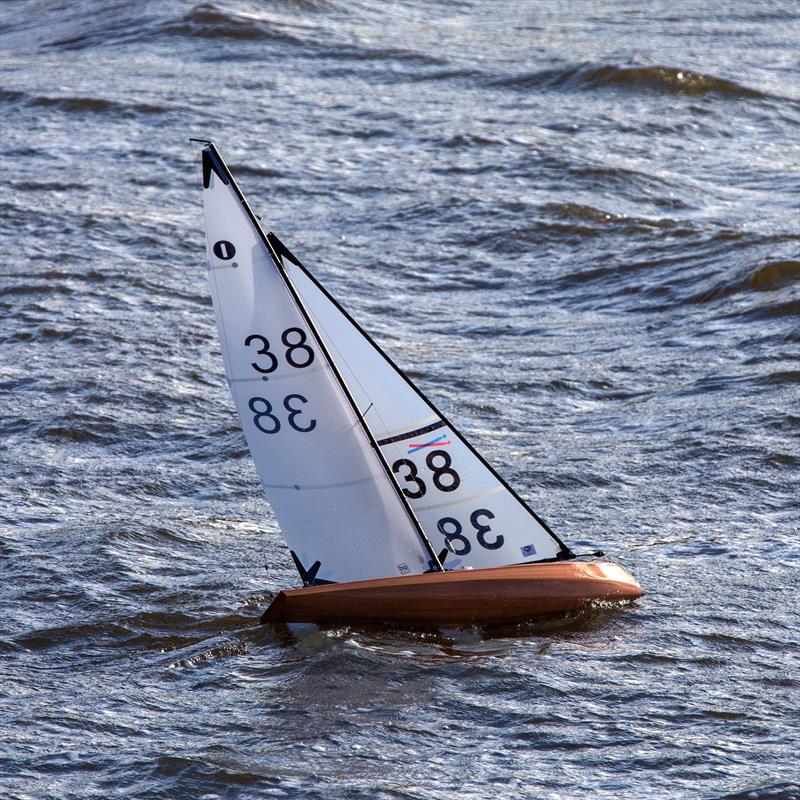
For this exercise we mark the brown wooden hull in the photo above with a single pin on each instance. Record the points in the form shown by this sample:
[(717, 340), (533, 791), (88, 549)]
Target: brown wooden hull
[(493, 596)]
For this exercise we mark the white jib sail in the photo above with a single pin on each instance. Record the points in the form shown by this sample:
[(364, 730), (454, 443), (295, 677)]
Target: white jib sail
[(459, 500), (334, 502)]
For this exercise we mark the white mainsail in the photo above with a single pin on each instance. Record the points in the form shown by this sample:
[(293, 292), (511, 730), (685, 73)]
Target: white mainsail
[(458, 498), (334, 500)]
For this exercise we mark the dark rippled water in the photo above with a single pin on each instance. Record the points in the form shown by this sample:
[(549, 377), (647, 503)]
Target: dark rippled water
[(575, 225)]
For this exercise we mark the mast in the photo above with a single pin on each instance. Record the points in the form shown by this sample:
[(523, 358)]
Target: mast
[(212, 161)]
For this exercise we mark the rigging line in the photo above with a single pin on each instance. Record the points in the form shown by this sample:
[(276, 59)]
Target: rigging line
[(434, 559), (318, 486), (565, 552), (272, 377), (379, 421)]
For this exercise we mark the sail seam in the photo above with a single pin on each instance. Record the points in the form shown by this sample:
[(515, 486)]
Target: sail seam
[(419, 423), (460, 500), (272, 377), (308, 486)]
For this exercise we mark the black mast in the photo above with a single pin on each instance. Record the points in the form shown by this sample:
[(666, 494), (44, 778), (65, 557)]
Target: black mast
[(212, 160)]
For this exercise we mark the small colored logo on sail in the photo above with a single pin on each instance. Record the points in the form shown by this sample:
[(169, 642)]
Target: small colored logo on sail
[(439, 441), (528, 550)]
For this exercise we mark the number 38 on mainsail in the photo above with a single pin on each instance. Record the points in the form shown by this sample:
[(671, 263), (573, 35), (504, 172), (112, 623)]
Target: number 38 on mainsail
[(389, 512)]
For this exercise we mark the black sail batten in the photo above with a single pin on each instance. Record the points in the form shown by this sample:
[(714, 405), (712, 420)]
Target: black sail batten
[(215, 161), (401, 437), (565, 552)]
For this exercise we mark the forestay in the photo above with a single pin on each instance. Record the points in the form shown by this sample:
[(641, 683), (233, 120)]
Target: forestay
[(334, 501), (459, 499)]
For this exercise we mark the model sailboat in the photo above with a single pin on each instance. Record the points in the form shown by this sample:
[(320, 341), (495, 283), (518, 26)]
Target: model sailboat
[(389, 512)]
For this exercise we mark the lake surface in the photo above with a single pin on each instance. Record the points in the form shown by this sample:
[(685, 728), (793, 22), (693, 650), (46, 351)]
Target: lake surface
[(575, 225)]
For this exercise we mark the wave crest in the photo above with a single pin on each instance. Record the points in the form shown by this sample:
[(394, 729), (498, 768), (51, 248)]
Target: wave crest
[(668, 80)]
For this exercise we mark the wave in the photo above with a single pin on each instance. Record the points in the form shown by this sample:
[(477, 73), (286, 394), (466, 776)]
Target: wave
[(789, 309), (772, 791), (209, 21), (77, 103), (119, 23), (582, 216), (292, 24), (775, 275), (667, 80), (771, 277)]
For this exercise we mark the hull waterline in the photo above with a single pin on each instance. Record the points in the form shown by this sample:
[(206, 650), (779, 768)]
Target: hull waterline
[(497, 595)]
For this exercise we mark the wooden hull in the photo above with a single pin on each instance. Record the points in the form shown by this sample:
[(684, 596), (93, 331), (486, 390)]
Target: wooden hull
[(498, 595)]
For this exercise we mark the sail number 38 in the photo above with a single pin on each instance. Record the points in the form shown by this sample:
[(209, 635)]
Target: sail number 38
[(444, 477), (298, 355), (453, 532), (267, 422)]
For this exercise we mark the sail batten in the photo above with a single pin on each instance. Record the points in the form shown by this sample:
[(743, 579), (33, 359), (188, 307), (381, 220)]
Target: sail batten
[(399, 437)]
